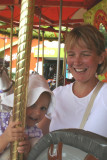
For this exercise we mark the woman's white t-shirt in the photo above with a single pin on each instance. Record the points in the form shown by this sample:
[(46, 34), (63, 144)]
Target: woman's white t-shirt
[(69, 110)]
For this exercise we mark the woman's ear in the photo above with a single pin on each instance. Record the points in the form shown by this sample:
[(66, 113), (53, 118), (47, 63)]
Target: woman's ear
[(102, 65), (102, 57)]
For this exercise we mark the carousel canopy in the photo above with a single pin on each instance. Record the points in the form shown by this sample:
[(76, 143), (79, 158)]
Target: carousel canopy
[(46, 15)]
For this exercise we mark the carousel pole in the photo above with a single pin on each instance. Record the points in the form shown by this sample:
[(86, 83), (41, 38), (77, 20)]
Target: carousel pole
[(59, 40), (42, 53), (22, 69), (64, 66), (38, 42), (11, 43), (64, 62), (4, 53)]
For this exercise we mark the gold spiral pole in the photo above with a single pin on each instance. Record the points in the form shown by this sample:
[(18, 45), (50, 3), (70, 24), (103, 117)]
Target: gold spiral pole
[(11, 44), (22, 69)]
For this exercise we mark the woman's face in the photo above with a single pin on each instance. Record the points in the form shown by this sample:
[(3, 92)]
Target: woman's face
[(37, 111), (83, 63)]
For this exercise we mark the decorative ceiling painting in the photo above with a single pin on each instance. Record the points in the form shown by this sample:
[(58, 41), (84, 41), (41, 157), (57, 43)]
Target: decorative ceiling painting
[(46, 16), (97, 16)]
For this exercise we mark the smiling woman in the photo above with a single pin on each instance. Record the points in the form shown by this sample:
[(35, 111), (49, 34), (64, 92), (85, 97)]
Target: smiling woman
[(85, 47)]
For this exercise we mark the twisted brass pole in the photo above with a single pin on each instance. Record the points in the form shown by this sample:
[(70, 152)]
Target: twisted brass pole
[(11, 44), (59, 41), (22, 69), (43, 53)]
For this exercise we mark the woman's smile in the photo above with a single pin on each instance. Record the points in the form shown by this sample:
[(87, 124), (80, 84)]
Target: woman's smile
[(79, 70)]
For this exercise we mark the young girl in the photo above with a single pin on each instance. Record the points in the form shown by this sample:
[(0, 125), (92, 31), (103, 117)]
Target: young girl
[(39, 98)]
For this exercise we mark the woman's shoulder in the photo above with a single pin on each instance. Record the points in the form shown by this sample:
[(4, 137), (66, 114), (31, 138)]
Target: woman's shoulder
[(103, 90), (103, 93), (104, 87), (62, 88)]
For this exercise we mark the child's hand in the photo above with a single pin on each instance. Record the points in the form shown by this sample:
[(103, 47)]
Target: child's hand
[(12, 134), (24, 145)]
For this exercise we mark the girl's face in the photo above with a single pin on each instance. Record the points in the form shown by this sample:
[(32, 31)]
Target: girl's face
[(37, 111), (83, 63)]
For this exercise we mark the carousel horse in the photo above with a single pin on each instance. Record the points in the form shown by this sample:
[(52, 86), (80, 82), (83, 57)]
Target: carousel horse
[(6, 85), (70, 144), (6, 88)]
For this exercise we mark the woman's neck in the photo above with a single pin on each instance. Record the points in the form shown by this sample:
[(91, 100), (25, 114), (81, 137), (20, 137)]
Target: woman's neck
[(81, 89)]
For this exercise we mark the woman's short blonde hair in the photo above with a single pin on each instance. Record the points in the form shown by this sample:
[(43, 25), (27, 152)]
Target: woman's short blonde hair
[(92, 38)]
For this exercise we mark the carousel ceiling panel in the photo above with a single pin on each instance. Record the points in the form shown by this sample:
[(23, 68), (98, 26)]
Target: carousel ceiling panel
[(72, 13)]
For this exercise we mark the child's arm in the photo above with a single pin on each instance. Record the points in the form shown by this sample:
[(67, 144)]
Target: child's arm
[(3, 143), (11, 134)]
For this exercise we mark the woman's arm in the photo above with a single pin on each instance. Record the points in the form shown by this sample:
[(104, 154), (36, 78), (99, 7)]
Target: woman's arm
[(44, 125)]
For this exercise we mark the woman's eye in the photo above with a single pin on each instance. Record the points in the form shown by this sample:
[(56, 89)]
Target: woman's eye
[(86, 54), (43, 108), (71, 55)]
